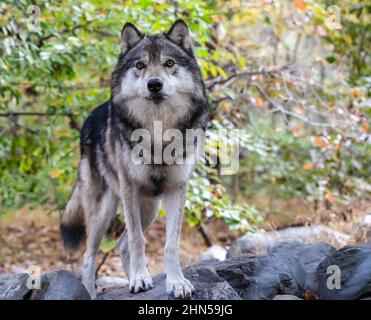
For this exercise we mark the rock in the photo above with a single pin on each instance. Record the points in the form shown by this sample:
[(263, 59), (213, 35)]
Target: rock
[(17, 270), (55, 285), (288, 269), (156, 293), (14, 287), (208, 286), (106, 283), (214, 252), (261, 242), (60, 285), (286, 297), (354, 262)]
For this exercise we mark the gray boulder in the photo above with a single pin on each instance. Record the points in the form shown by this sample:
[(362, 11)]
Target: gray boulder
[(14, 287), (289, 269), (107, 283), (354, 263), (55, 285), (214, 252), (208, 286), (60, 285), (261, 242)]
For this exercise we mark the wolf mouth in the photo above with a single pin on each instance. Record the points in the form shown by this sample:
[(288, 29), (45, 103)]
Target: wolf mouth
[(156, 98)]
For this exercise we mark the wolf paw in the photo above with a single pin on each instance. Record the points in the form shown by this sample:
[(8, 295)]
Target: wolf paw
[(140, 282), (180, 288)]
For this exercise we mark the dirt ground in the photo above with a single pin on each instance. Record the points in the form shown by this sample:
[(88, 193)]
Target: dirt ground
[(32, 238)]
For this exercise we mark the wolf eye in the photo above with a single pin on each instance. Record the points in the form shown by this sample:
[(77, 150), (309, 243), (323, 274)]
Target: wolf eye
[(139, 65), (169, 63)]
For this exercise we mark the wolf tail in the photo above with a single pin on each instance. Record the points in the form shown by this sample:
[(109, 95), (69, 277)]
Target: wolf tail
[(73, 230)]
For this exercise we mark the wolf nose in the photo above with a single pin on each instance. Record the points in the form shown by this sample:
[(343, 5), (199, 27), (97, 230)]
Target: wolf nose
[(154, 85)]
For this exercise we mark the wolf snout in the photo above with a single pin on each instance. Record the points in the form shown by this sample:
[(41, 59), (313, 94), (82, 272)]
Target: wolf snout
[(154, 85)]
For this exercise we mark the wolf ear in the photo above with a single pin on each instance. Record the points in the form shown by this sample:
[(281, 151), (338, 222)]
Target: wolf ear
[(130, 36), (179, 34)]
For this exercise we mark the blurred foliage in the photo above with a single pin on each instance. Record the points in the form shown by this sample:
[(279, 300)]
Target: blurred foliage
[(294, 77)]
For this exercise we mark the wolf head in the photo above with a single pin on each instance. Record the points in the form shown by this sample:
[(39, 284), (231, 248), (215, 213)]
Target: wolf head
[(156, 72)]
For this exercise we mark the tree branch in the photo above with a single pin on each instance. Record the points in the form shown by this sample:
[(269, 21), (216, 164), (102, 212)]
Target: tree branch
[(38, 114), (72, 117), (219, 80), (281, 109), (42, 40), (205, 234)]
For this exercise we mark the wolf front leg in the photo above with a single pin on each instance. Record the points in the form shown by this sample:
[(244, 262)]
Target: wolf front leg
[(97, 224), (176, 283), (139, 278), (149, 208)]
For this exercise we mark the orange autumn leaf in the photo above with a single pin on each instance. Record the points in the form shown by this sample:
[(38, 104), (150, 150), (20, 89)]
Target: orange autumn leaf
[(353, 92), (55, 173), (319, 142), (365, 126), (330, 196), (217, 19), (296, 129), (300, 4), (308, 166), (260, 102), (310, 295)]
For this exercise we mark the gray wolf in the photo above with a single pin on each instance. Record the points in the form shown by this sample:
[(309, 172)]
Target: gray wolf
[(156, 79)]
